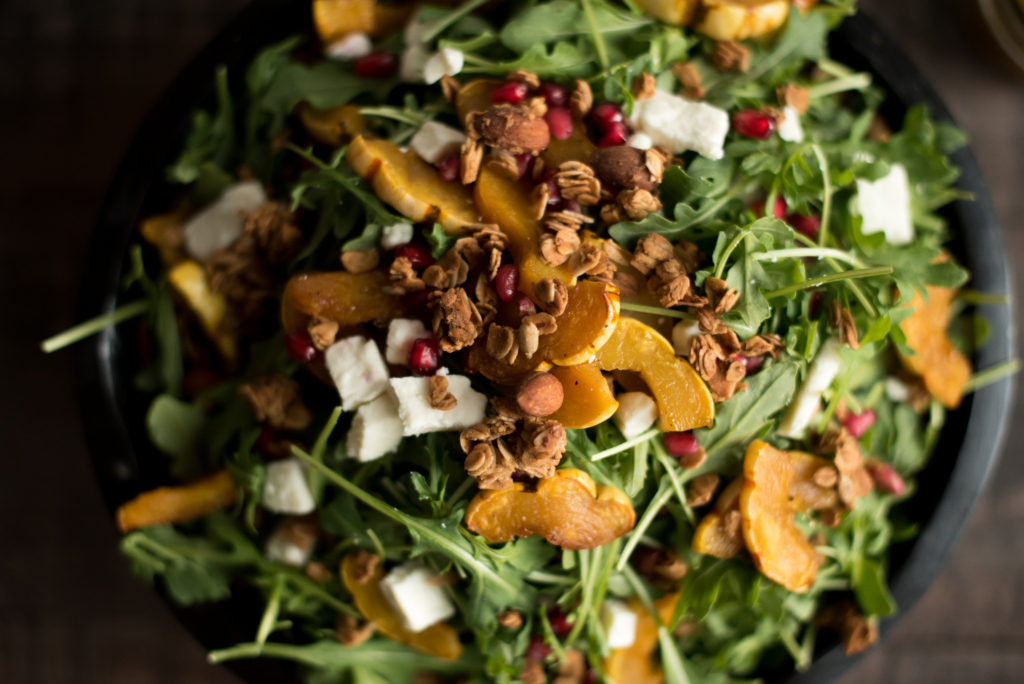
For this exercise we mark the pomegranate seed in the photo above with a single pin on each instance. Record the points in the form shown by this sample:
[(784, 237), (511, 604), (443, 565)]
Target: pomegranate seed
[(778, 211), (570, 205), (606, 114), (450, 167), (591, 676), (537, 649), (753, 363), (560, 624), (506, 282), (424, 356), (814, 307), (524, 162), (512, 92), (520, 476), (554, 192), (554, 94), (751, 123), (681, 443), (617, 134), (806, 225), (376, 65), (646, 560), (858, 423), (886, 478), (265, 442), (418, 255), (526, 306), (300, 346), (559, 122)]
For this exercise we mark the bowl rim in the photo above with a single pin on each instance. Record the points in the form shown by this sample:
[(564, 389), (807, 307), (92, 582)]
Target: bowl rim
[(103, 393)]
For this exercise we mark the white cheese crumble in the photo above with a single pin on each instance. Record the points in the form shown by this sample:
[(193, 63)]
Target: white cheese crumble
[(807, 401), (418, 417), (286, 489), (679, 124), (896, 390), (884, 206), (376, 429), (357, 369), (395, 235), (410, 68), (683, 335), (402, 332), (790, 129), (220, 224), (446, 62), (283, 546), (619, 624), (417, 595), (640, 141), (352, 46), (636, 413), (434, 141)]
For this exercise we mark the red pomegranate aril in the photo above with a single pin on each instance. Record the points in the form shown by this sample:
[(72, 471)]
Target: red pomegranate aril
[(570, 205), (525, 306), (886, 478), (805, 225), (418, 255), (591, 676), (554, 94), (559, 122), (376, 65), (751, 123), (606, 114), (524, 162), (511, 92), (449, 167), (681, 443), (424, 356), (753, 363), (617, 134), (506, 282), (814, 306), (300, 346), (537, 649), (554, 192), (778, 210), (859, 423), (559, 622)]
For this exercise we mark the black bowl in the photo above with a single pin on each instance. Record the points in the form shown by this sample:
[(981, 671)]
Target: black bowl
[(113, 411)]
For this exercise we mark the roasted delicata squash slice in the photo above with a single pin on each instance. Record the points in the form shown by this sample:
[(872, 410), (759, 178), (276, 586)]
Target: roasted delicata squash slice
[(739, 19), (943, 368)]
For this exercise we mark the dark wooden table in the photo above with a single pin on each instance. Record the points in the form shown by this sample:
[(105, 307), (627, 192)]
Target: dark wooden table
[(75, 80)]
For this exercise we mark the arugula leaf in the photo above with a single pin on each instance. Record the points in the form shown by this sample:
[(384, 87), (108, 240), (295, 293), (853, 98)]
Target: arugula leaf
[(440, 241), (562, 20), (176, 428), (211, 138), (324, 84)]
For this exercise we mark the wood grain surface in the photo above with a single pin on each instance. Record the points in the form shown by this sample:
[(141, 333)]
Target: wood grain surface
[(75, 80)]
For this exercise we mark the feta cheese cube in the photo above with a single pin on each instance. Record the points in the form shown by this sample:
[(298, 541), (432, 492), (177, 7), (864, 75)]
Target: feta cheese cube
[(807, 400), (790, 129), (414, 591), (434, 141), (418, 417), (679, 124), (635, 414), (395, 235), (446, 62), (640, 141), (357, 369), (352, 46), (291, 543), (402, 332), (884, 206), (220, 224), (410, 68), (286, 489), (619, 624), (896, 390), (376, 429), (683, 335)]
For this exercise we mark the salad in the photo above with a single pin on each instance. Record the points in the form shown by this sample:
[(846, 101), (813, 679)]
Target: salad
[(565, 341)]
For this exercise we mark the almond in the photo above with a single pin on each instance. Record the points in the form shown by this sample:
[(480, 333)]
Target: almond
[(541, 394), (513, 129), (622, 166)]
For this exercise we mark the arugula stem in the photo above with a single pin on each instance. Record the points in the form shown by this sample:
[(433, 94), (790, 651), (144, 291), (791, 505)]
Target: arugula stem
[(658, 502), (628, 444), (872, 272), (677, 485), (857, 81), (394, 114), (94, 325), (458, 493), (982, 298), (308, 586), (440, 25), (595, 35), (271, 612), (656, 310), (992, 374), (826, 201), (729, 249), (316, 481), (541, 577), (809, 252)]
